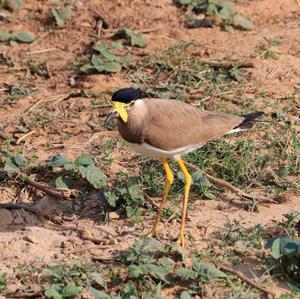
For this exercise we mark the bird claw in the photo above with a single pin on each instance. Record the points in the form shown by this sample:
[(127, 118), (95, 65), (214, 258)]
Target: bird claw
[(152, 234), (181, 241)]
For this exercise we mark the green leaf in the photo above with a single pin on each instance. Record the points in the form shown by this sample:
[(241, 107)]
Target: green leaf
[(211, 10), (65, 13), (84, 160), (60, 182), (98, 294), (135, 271), (105, 52), (186, 274), (58, 161), (97, 278), (199, 179), (70, 166), (242, 22), (97, 63), (276, 252), (6, 36), (155, 271), (126, 59), (135, 38), (58, 19), (133, 189), (71, 290), (112, 67), (228, 28), (228, 5), (53, 292), (112, 198), (10, 167), (207, 270), (88, 69), (185, 295), (167, 263), (237, 74), (25, 37), (224, 13), (20, 160), (95, 176), (290, 247)]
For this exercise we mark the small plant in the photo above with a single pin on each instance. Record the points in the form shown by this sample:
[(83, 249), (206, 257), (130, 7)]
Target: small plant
[(285, 250), (61, 16), (133, 38), (12, 162), (39, 69), (105, 61), (21, 37), (3, 281), (125, 193), (286, 254), (16, 91), (83, 166), (223, 9), (69, 282), (10, 4)]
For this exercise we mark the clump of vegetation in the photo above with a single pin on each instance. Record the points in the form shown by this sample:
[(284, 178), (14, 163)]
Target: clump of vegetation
[(285, 250), (223, 9), (61, 16), (133, 38), (84, 166), (104, 60), (176, 73), (15, 92)]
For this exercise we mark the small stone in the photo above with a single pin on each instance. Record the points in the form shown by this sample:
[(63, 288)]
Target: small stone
[(114, 215), (6, 217)]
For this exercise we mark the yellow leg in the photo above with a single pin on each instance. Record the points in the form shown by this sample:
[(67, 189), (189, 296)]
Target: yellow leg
[(168, 183), (187, 185)]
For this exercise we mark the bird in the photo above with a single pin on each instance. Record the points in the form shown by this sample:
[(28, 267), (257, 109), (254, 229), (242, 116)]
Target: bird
[(169, 129)]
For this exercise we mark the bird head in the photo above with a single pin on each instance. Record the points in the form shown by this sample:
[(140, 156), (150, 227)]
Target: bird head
[(121, 101)]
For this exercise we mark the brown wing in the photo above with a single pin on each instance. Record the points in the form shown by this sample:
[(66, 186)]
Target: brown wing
[(172, 124)]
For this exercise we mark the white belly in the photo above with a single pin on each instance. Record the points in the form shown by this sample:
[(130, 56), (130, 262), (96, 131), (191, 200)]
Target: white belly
[(151, 151)]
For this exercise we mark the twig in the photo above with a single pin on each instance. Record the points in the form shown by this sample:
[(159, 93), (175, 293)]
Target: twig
[(100, 25), (20, 294), (68, 96), (228, 65), (246, 279), (42, 51), (33, 106), (25, 136), (151, 201), (230, 186), (15, 206), (48, 190)]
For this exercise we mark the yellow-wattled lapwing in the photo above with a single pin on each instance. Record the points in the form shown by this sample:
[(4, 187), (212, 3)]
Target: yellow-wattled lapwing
[(169, 129)]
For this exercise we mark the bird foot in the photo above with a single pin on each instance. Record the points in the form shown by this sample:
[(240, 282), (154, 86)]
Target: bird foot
[(152, 234), (181, 241)]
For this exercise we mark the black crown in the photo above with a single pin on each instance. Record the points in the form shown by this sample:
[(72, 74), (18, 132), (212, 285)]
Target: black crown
[(126, 95)]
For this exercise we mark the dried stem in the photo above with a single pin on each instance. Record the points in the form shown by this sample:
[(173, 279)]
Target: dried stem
[(250, 282)]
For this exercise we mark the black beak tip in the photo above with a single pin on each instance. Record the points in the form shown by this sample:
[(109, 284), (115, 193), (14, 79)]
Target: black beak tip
[(109, 118)]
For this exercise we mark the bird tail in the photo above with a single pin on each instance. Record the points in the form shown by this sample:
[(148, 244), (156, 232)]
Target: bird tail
[(247, 123)]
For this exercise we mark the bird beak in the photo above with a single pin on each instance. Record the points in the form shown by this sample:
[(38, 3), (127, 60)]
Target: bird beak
[(110, 117), (120, 108)]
